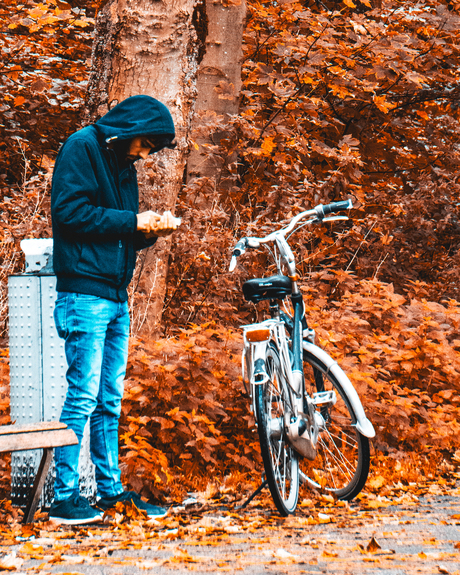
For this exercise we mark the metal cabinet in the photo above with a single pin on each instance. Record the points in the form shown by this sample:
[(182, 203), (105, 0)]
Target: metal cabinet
[(37, 376)]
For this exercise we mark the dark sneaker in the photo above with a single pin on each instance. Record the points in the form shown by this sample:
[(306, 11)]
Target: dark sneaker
[(131, 497), (74, 511)]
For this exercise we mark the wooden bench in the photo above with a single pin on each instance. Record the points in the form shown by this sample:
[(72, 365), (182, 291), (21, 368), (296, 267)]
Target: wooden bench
[(44, 435)]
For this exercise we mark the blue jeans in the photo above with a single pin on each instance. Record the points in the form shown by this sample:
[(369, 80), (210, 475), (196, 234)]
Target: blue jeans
[(96, 334)]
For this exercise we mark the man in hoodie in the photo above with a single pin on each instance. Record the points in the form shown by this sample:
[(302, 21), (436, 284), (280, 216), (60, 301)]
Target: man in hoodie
[(97, 230)]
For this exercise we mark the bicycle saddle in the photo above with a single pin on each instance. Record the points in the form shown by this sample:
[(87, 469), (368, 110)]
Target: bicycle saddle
[(274, 287)]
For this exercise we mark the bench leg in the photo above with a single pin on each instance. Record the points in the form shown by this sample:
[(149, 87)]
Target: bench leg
[(38, 485)]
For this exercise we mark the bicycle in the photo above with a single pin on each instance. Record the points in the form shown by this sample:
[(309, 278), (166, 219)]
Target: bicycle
[(311, 424)]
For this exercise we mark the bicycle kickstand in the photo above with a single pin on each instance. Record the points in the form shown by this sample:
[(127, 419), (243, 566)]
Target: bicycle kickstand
[(255, 494)]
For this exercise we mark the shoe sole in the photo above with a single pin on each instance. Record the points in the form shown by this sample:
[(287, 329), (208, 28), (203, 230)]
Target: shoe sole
[(82, 521), (157, 516), (160, 516)]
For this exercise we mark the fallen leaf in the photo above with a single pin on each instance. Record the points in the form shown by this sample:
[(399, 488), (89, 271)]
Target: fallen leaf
[(283, 554), (19, 100), (329, 554), (10, 562), (373, 546), (376, 482)]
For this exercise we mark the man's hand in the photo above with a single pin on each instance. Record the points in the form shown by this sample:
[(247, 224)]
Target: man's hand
[(154, 225), (164, 226), (145, 220)]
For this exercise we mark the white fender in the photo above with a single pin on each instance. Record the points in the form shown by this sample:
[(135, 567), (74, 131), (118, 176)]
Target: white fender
[(259, 352), (363, 425)]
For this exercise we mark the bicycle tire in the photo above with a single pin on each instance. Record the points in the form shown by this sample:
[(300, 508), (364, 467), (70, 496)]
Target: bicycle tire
[(280, 460), (342, 462)]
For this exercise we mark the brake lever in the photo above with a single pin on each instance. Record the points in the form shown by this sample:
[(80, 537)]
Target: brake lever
[(335, 218)]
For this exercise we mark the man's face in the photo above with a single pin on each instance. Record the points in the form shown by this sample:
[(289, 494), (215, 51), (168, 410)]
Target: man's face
[(140, 147)]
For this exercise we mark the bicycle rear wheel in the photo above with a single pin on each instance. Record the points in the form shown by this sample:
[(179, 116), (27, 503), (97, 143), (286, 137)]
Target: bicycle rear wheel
[(342, 462), (281, 462)]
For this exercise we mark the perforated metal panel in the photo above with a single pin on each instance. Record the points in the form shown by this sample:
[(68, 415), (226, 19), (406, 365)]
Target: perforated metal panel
[(54, 365), (25, 375), (37, 380)]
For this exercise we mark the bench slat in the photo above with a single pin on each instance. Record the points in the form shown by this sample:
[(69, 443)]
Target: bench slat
[(31, 427), (43, 435), (37, 439)]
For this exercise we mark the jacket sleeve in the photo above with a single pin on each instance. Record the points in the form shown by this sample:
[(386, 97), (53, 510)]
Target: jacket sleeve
[(141, 242), (74, 192)]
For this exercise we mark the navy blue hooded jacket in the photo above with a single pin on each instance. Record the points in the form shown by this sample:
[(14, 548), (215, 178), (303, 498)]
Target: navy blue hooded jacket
[(95, 201)]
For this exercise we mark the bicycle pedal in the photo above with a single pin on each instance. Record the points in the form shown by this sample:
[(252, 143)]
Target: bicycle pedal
[(323, 397)]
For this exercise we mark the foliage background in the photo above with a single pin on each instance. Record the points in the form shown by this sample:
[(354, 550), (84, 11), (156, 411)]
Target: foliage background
[(353, 99)]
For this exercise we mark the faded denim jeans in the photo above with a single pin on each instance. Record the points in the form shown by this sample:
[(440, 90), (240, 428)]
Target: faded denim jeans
[(96, 334)]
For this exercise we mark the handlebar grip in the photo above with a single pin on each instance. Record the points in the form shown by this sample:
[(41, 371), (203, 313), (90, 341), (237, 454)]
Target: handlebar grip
[(240, 247), (337, 207)]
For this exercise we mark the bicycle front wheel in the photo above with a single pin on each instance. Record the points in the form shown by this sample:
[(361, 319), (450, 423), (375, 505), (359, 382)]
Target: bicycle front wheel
[(342, 462), (281, 462)]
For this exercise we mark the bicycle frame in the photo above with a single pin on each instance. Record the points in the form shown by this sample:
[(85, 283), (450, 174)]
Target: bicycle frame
[(303, 428)]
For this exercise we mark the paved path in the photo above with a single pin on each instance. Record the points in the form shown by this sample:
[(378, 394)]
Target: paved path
[(414, 530)]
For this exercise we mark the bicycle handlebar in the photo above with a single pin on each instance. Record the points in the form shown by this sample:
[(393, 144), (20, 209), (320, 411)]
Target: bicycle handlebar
[(337, 207), (318, 214)]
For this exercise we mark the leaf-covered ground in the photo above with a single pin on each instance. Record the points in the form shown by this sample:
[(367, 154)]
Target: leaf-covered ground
[(186, 420), (412, 529)]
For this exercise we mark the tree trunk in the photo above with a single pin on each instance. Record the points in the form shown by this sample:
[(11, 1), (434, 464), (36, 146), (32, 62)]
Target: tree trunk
[(218, 80), (150, 47)]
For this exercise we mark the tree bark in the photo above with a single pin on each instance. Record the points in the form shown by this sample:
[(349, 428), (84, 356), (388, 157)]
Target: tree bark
[(218, 80), (150, 47)]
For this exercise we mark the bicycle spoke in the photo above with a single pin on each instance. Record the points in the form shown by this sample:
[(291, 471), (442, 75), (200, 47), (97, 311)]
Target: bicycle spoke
[(350, 437), (281, 480), (280, 461), (342, 460)]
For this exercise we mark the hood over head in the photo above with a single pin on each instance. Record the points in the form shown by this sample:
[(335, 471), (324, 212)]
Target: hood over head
[(136, 116)]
